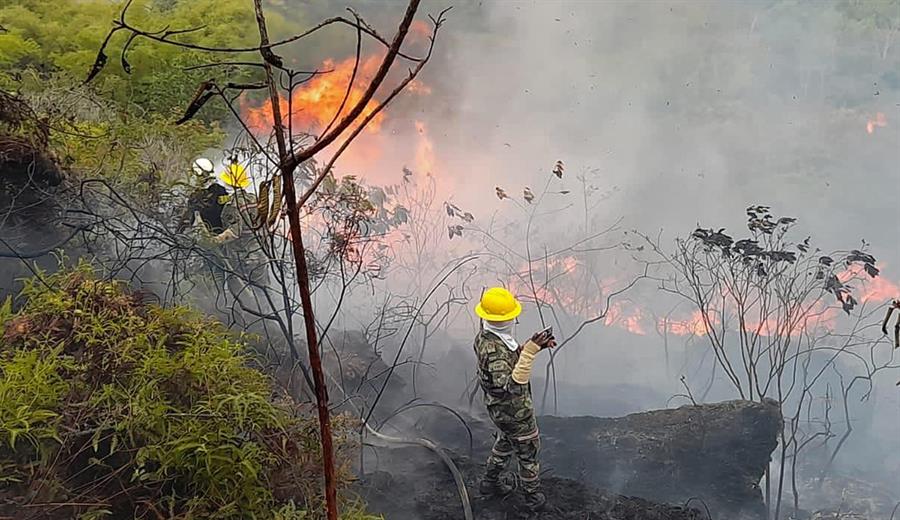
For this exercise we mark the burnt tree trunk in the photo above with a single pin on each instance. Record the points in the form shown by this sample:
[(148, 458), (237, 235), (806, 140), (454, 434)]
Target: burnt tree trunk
[(288, 160)]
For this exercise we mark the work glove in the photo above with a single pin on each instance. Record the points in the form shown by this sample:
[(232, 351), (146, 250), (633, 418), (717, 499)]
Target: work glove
[(224, 236), (544, 339), (522, 371)]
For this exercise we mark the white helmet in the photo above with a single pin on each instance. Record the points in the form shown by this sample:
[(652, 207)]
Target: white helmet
[(204, 167)]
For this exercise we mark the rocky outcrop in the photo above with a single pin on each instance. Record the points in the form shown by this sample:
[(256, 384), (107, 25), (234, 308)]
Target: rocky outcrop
[(418, 490), (714, 453)]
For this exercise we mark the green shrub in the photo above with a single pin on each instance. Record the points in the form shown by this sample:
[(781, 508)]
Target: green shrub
[(114, 408)]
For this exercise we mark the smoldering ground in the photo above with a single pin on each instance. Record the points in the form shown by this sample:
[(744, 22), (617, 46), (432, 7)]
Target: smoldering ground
[(673, 114), (679, 114)]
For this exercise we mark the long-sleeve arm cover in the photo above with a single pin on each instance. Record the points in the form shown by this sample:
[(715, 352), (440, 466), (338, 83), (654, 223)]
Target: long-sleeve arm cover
[(521, 373)]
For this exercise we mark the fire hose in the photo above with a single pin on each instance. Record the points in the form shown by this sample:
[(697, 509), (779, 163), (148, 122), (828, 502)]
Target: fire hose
[(457, 475), (425, 443), (419, 441)]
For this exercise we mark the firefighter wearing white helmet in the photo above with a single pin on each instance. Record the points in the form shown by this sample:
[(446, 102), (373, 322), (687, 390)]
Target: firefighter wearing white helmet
[(504, 371), (203, 167), (247, 262), (206, 204), (215, 210), (216, 201)]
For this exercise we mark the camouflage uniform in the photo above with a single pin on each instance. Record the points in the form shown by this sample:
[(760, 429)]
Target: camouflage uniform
[(242, 255), (235, 261), (511, 409)]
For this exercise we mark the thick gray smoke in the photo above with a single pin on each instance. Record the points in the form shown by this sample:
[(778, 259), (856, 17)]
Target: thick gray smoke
[(693, 110), (679, 113)]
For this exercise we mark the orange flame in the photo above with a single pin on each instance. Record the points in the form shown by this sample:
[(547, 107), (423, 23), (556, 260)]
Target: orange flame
[(375, 156), (425, 160), (867, 289), (880, 121), (314, 104), (630, 318), (879, 289), (564, 293), (574, 291), (569, 293), (693, 326)]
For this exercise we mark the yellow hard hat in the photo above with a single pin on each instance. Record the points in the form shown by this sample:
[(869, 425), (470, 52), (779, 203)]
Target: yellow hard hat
[(498, 304)]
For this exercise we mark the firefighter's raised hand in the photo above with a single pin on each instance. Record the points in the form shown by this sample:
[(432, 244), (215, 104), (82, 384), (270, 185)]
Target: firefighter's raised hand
[(199, 226), (544, 339)]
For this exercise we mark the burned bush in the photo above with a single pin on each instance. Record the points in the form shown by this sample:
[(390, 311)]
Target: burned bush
[(28, 170)]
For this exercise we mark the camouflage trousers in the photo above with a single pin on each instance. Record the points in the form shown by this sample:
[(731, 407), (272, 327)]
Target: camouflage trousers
[(235, 271), (525, 445)]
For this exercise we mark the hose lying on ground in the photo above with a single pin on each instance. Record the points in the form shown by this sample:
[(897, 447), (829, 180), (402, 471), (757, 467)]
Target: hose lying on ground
[(457, 475), (425, 443)]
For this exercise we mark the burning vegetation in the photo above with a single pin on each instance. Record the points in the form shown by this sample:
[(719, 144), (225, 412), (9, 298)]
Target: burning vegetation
[(326, 97), (879, 121), (334, 212)]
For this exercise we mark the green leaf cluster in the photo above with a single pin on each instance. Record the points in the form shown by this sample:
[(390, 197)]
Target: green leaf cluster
[(121, 125), (62, 38), (101, 392)]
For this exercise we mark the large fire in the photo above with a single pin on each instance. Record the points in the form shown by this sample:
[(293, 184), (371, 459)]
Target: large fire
[(575, 293), (377, 156), (317, 104), (313, 105)]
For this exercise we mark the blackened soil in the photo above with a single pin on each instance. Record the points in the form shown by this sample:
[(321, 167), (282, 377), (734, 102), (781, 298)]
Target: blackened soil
[(420, 487)]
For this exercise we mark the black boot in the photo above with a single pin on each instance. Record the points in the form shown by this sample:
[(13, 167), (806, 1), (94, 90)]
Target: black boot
[(535, 501), (494, 487)]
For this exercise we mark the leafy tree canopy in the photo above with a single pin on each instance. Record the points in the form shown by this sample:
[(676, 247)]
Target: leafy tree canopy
[(120, 126), (62, 38)]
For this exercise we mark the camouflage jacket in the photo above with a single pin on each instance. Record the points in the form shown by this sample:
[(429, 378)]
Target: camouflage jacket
[(238, 216), (509, 404), (233, 217)]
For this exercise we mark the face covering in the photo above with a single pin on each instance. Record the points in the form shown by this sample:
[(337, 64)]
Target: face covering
[(503, 330)]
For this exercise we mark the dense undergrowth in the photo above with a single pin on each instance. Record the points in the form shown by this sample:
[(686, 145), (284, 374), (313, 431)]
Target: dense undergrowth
[(111, 407)]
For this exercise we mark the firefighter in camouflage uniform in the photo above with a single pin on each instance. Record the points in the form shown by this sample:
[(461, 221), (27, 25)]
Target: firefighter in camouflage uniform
[(504, 370)]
